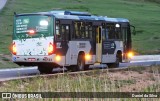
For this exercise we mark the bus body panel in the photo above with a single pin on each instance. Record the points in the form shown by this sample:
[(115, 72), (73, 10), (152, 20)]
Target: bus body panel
[(33, 46), (75, 48), (110, 51)]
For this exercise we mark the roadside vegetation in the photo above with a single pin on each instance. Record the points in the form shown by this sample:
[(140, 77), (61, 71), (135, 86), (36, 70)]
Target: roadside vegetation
[(95, 81)]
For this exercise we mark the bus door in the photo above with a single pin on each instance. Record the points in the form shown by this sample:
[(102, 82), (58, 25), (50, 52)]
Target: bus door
[(126, 40), (98, 44)]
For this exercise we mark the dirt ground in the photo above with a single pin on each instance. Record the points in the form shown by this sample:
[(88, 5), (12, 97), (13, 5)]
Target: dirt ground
[(139, 80)]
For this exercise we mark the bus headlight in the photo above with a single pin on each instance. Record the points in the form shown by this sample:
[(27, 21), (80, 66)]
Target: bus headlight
[(130, 54), (58, 58), (88, 57)]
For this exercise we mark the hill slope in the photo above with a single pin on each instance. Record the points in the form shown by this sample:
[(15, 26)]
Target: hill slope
[(143, 14)]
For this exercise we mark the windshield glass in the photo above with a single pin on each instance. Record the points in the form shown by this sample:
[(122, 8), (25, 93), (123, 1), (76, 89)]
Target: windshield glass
[(32, 26)]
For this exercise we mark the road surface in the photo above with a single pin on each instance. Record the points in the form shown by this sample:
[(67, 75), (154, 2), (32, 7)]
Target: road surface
[(7, 74), (2, 3)]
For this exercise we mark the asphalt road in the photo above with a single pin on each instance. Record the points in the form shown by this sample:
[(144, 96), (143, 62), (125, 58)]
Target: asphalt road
[(2, 3), (7, 74)]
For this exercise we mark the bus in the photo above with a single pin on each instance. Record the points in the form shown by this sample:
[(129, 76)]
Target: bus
[(70, 39)]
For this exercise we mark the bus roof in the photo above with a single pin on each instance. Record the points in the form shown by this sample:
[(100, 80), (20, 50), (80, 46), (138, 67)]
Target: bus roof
[(75, 15)]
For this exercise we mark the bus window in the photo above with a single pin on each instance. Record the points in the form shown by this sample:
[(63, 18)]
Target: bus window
[(104, 34), (67, 32), (62, 31), (90, 31), (76, 29), (82, 30), (117, 33), (58, 36), (124, 32), (86, 31), (114, 32)]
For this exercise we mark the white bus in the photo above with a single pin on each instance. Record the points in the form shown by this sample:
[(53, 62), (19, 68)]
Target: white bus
[(71, 39)]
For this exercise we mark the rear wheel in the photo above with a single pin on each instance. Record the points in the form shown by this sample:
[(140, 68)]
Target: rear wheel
[(44, 69), (114, 65), (81, 63), (71, 68)]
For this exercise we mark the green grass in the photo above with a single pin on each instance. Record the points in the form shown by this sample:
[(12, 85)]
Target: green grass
[(143, 14), (96, 81)]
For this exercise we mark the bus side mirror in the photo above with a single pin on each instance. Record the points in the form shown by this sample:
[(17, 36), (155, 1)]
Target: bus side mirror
[(134, 30), (15, 13)]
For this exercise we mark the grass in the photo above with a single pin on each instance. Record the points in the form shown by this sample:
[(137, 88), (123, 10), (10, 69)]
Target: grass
[(143, 14), (140, 69), (96, 81)]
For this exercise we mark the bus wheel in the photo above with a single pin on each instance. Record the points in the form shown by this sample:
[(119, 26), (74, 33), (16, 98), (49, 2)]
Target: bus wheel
[(44, 69), (71, 68), (117, 62), (114, 65), (80, 63)]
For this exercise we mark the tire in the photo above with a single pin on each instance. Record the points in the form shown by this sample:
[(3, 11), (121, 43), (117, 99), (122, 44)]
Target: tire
[(80, 63), (117, 62), (81, 66), (44, 69), (71, 68), (86, 67), (114, 65)]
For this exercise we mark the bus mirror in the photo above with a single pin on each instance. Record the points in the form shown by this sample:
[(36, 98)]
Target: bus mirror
[(134, 30), (15, 13)]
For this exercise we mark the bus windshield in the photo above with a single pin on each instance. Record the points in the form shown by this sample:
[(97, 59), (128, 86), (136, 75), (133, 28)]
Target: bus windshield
[(32, 26)]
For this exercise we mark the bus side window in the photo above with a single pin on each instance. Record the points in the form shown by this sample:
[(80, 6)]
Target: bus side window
[(113, 31), (67, 33), (124, 34), (104, 32), (118, 34), (82, 30), (76, 29), (110, 31), (62, 31), (57, 30), (90, 31)]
